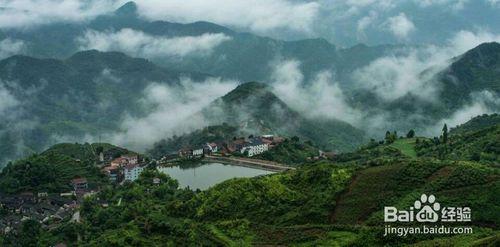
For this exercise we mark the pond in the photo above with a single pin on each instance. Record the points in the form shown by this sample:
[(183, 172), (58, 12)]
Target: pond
[(205, 175)]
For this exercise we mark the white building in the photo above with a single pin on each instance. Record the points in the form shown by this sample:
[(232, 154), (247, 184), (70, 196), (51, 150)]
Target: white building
[(132, 172), (197, 152), (211, 148), (255, 149)]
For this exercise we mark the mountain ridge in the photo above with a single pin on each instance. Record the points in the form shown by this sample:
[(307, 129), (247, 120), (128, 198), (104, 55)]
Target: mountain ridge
[(257, 110)]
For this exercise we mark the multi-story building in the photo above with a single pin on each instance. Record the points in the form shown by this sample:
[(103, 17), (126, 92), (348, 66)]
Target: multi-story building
[(132, 172), (79, 184), (254, 147)]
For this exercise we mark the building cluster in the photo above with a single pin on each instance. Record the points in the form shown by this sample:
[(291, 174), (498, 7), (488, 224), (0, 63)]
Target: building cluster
[(51, 209), (250, 146), (124, 168), (48, 209)]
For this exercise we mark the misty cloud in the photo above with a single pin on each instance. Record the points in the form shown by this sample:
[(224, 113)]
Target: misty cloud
[(138, 43), (400, 25), (392, 77), (454, 4), (7, 100), (364, 23), (28, 13), (9, 47), (320, 97), (494, 3), (485, 102), (465, 40), (258, 15), (173, 108)]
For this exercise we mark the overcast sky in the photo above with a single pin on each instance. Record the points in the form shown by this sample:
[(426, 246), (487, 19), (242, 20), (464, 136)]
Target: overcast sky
[(343, 22)]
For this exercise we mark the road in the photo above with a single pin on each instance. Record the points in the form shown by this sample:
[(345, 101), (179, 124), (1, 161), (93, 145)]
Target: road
[(269, 165)]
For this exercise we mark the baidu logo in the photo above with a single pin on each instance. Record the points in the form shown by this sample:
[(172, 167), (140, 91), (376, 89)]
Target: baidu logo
[(427, 209)]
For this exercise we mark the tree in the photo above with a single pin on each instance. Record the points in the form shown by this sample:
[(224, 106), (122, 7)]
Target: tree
[(410, 134), (388, 137), (29, 233), (445, 133)]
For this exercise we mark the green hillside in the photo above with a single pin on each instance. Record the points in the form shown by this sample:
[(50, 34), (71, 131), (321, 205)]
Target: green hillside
[(216, 133), (52, 170), (335, 202), (406, 146), (257, 110), (481, 145), (291, 152)]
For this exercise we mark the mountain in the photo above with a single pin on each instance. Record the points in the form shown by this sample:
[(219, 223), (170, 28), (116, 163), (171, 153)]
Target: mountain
[(255, 109), (470, 80), (476, 123), (476, 70), (244, 56), (85, 94)]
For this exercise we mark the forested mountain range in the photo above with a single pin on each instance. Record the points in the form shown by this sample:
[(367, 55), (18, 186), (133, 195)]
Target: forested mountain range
[(243, 56), (89, 93), (86, 94)]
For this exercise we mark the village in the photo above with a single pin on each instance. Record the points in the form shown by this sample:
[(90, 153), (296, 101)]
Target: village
[(51, 208), (249, 147), (48, 209)]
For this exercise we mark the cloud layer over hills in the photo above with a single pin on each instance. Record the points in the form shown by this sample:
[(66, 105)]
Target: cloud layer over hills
[(137, 43), (341, 22)]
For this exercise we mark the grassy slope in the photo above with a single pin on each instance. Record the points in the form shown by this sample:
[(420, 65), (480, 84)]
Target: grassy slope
[(406, 146)]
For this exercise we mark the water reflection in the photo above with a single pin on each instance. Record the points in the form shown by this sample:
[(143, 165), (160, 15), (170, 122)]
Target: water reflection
[(204, 175)]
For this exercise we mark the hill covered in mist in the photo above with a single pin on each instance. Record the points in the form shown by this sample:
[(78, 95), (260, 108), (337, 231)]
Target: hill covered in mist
[(88, 94)]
